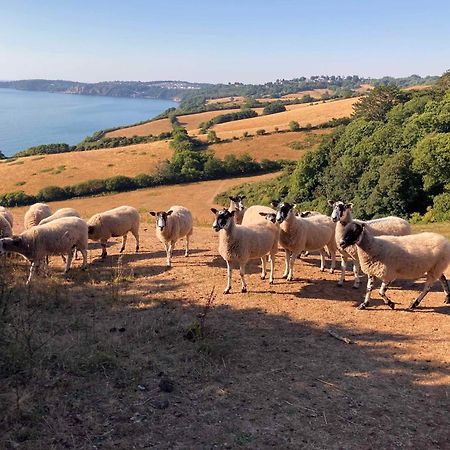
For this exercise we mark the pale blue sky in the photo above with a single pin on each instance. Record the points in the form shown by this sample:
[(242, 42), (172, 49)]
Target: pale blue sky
[(212, 41)]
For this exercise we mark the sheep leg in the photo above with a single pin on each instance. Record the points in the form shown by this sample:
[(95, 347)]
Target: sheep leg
[(84, 254), (63, 259), (242, 274), (69, 261), (124, 242), (135, 233), (104, 253), (263, 268), (369, 288), (333, 261), (272, 267), (287, 255), (228, 288), (186, 253), (169, 252), (446, 288), (386, 299), (33, 269), (426, 289), (344, 260), (292, 259), (322, 259), (357, 274)]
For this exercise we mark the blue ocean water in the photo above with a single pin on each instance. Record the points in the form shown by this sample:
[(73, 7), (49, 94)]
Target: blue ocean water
[(29, 118)]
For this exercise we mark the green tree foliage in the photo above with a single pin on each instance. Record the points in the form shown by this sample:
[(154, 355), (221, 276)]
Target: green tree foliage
[(274, 107), (294, 125), (379, 102)]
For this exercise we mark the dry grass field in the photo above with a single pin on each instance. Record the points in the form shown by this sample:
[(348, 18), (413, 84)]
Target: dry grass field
[(313, 114), (273, 146), (32, 173), (129, 355), (156, 127), (226, 101)]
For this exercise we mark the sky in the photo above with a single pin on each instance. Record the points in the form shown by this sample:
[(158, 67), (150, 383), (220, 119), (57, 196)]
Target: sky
[(221, 41)]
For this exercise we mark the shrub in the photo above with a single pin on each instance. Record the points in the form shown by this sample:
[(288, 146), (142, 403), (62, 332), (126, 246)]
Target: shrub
[(274, 107), (260, 132), (294, 126), (52, 193), (119, 183)]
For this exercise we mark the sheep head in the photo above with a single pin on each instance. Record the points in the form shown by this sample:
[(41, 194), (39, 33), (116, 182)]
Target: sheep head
[(223, 219)]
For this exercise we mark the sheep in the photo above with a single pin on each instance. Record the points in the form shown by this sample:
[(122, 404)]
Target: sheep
[(298, 235), (171, 226), (406, 257), (55, 238), (5, 227), (240, 243), (306, 214), (59, 213), (237, 205), (7, 215), (342, 215), (35, 214), (114, 223)]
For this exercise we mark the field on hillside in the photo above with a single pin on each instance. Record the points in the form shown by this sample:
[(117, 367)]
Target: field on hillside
[(274, 146), (129, 355), (155, 127), (303, 113), (32, 173)]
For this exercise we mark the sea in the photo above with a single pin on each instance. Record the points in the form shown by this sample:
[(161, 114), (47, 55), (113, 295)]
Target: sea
[(29, 118)]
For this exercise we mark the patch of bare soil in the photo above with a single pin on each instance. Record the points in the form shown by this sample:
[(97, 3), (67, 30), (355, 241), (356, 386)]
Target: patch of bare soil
[(127, 355)]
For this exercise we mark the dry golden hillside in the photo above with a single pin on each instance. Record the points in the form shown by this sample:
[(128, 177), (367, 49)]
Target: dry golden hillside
[(156, 127), (35, 172), (274, 146), (313, 114)]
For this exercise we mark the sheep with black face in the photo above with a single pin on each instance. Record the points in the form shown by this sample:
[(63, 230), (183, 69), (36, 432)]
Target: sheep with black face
[(172, 225), (240, 243), (399, 257)]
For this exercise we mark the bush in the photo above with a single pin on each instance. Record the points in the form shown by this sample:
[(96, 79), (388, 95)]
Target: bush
[(18, 198), (260, 132), (52, 193), (120, 183), (294, 125), (274, 107)]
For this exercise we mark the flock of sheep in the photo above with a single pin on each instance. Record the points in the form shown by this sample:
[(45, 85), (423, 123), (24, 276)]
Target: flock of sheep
[(382, 248)]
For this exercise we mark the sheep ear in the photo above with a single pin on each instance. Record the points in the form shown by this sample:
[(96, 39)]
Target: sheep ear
[(232, 198), (275, 203), (214, 210), (349, 206), (152, 213), (242, 197), (169, 212), (331, 202), (305, 213)]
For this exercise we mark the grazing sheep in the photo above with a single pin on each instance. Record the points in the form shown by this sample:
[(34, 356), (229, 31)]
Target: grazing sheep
[(171, 226), (237, 205), (298, 235), (35, 214), (240, 243), (114, 223), (55, 238), (7, 215), (342, 215), (59, 213), (5, 227), (405, 257)]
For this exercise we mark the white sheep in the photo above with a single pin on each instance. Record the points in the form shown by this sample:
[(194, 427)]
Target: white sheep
[(171, 226), (35, 214), (399, 257), (55, 238), (59, 213), (342, 215), (237, 205), (298, 235), (5, 227), (114, 223), (240, 243), (7, 215)]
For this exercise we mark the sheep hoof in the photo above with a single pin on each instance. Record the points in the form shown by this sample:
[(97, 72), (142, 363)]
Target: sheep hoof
[(322, 269), (362, 306), (355, 286), (271, 282), (227, 291), (284, 275), (263, 277), (331, 270), (121, 250), (244, 290), (391, 304), (340, 284), (447, 300), (411, 307)]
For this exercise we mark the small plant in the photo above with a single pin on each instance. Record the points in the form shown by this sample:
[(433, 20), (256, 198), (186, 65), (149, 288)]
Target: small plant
[(21, 183), (294, 125), (198, 329), (260, 132)]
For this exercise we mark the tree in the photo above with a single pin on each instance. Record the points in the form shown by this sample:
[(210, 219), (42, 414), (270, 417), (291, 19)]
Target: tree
[(212, 137), (274, 107), (379, 101)]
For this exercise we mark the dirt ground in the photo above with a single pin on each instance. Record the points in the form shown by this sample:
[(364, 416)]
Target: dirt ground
[(127, 355)]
